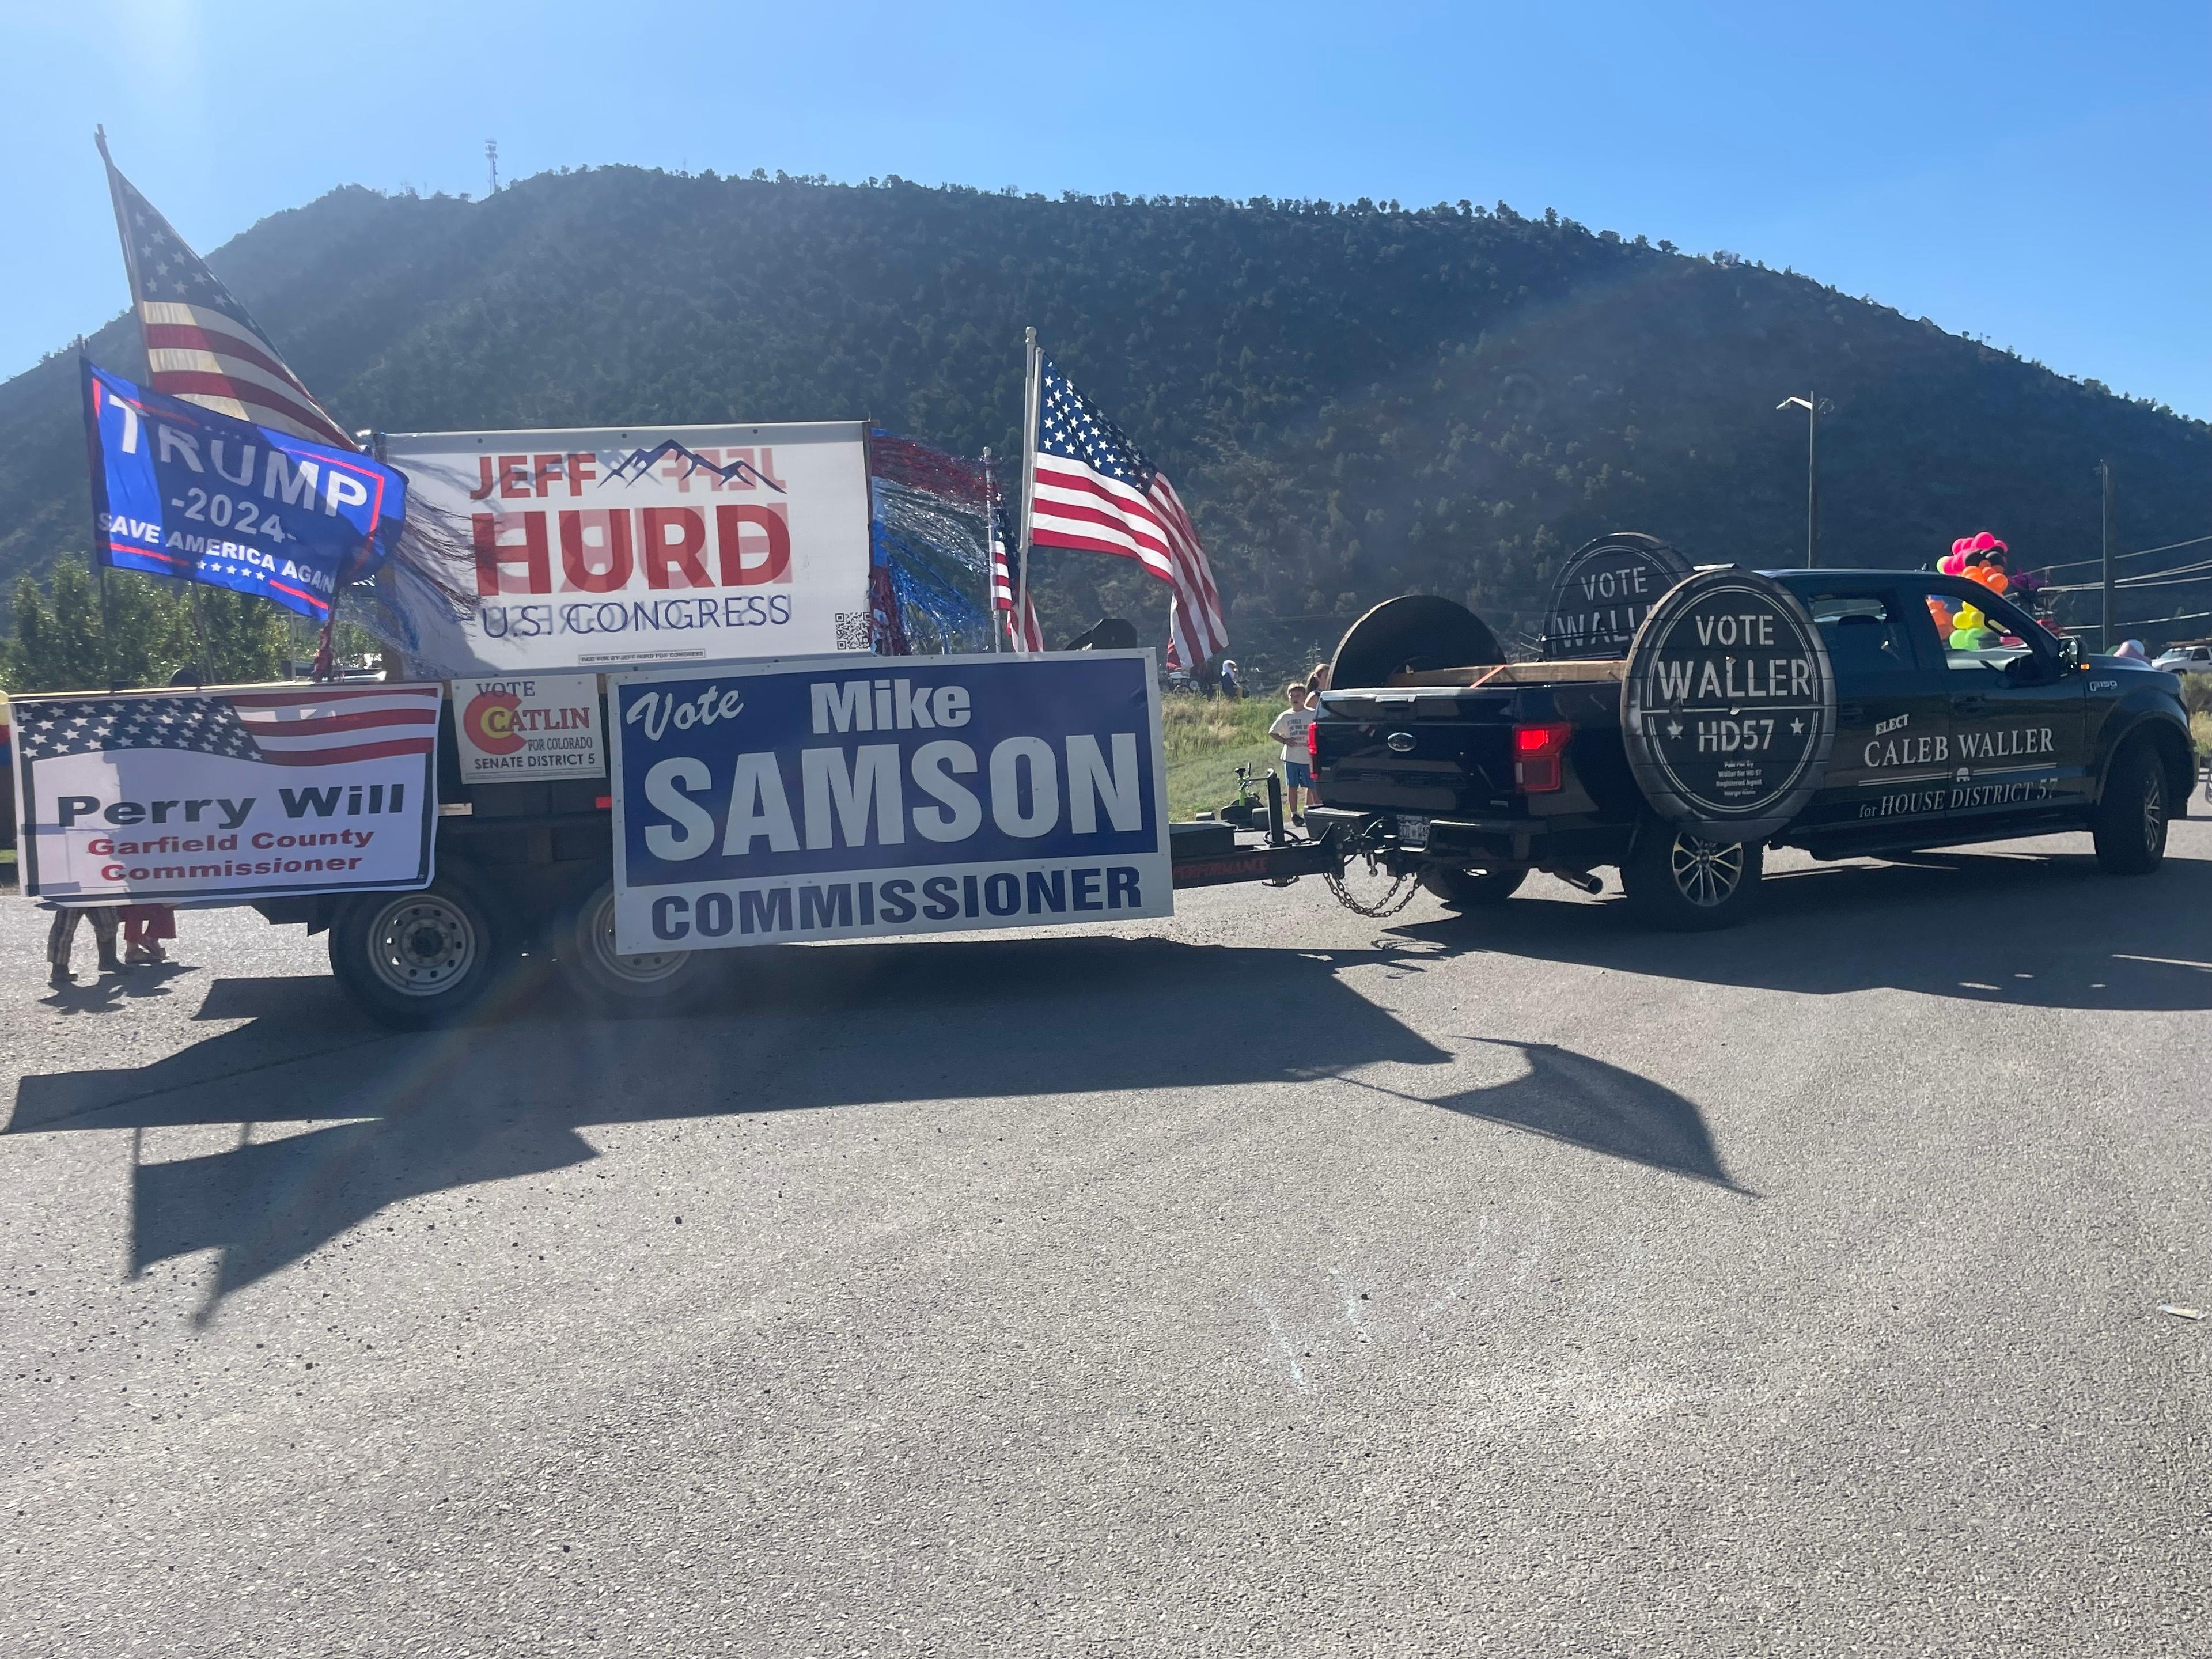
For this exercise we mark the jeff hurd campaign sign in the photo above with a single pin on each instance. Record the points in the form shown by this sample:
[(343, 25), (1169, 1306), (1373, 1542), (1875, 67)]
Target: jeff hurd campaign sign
[(843, 799), (178, 490), (224, 797), (608, 546)]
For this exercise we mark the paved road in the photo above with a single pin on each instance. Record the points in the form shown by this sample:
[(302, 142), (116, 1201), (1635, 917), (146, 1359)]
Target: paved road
[(1270, 1282)]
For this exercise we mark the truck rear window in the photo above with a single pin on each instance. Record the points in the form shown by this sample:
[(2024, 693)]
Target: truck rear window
[(1861, 631)]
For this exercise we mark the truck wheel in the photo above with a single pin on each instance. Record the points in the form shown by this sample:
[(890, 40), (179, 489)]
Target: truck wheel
[(420, 959), (2130, 822), (1472, 890), (604, 977), (1676, 880)]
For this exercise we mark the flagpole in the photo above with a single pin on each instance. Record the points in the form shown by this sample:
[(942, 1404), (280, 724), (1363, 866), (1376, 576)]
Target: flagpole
[(98, 536), (990, 553), (1020, 615)]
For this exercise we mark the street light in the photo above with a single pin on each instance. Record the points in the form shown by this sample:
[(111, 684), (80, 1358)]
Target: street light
[(1811, 404)]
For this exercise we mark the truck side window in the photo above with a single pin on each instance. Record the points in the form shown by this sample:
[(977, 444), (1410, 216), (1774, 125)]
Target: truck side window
[(2005, 633), (1861, 632)]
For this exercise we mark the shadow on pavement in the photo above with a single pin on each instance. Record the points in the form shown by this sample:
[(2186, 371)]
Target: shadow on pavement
[(853, 1026), (2035, 931), (1568, 1096), (96, 992)]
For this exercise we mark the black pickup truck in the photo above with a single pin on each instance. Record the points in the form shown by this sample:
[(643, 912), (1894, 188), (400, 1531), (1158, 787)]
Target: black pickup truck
[(1822, 709)]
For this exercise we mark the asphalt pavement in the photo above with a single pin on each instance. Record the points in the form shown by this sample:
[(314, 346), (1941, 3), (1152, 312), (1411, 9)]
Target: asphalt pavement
[(1267, 1281)]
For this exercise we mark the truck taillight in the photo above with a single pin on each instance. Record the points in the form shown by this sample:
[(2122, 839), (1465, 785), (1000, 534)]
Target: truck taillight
[(1313, 741), (1537, 753)]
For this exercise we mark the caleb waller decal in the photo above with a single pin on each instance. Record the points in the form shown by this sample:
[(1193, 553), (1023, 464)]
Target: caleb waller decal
[(1727, 706), (1604, 592)]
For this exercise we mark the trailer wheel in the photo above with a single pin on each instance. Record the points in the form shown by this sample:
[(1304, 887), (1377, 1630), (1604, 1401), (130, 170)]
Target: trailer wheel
[(420, 959), (1680, 881), (2130, 819), (1473, 890), (605, 977)]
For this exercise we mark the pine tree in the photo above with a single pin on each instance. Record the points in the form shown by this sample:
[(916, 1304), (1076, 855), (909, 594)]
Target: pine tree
[(57, 644)]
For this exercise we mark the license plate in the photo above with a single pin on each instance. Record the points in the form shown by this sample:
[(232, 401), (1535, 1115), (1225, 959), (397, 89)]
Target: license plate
[(1412, 831)]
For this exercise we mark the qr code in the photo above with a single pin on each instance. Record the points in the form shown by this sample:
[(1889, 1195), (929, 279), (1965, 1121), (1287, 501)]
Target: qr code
[(852, 630)]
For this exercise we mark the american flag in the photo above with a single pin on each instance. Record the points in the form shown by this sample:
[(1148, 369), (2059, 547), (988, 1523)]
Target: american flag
[(201, 345), (1092, 488), (278, 728), (1024, 636)]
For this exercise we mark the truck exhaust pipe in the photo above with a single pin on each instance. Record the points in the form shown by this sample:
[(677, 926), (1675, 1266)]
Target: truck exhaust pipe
[(1582, 878)]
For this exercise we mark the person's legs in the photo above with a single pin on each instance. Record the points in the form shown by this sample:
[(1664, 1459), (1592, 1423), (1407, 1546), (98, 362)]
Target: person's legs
[(104, 918), (142, 926), (61, 939)]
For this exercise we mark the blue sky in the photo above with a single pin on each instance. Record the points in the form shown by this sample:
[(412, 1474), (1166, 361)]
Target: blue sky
[(2035, 175)]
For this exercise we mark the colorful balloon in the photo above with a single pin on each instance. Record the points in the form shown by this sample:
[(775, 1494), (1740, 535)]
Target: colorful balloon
[(1953, 564), (1995, 580)]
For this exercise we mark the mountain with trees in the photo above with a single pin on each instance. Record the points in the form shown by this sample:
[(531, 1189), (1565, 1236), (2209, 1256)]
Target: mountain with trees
[(1355, 400)]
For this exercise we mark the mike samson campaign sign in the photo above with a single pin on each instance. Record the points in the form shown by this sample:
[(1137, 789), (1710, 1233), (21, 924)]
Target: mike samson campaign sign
[(843, 799), (224, 797), (595, 547)]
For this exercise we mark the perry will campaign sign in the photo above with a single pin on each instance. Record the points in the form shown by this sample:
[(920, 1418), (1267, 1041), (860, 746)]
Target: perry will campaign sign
[(611, 546), (182, 491), (224, 797), (843, 798)]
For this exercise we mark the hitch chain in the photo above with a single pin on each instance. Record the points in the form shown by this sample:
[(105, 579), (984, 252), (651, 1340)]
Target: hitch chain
[(1400, 894)]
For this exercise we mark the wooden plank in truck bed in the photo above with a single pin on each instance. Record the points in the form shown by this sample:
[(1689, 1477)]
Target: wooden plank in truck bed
[(1513, 673)]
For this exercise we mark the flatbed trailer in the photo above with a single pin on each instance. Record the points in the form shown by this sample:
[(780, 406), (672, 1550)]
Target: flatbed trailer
[(528, 868)]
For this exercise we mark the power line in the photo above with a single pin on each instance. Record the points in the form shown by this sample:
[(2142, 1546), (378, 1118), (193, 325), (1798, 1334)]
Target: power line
[(2179, 573), (2140, 553)]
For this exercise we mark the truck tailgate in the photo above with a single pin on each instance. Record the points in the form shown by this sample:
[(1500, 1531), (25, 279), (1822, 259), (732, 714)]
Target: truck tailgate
[(1423, 750)]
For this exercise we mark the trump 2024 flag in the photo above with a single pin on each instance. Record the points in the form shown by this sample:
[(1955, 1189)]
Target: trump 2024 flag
[(179, 491)]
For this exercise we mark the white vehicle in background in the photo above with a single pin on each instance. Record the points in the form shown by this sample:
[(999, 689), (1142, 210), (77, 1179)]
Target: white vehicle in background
[(2186, 658)]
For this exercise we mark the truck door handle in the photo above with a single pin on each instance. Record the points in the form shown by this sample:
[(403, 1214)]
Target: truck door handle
[(1970, 705), (1851, 713)]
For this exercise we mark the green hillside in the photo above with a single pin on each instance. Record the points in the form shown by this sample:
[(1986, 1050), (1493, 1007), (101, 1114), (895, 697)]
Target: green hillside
[(1355, 401)]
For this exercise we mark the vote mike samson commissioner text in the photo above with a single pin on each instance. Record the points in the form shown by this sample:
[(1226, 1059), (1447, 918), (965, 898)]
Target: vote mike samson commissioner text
[(810, 802)]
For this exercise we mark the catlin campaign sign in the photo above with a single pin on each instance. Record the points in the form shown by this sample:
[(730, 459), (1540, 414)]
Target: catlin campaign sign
[(836, 798), (600, 546), (224, 797)]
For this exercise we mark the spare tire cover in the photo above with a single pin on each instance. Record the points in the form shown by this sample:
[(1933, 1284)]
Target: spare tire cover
[(1727, 706), (1604, 591), (1419, 632)]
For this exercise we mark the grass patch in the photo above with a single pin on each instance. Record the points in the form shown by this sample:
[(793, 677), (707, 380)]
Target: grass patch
[(1206, 738)]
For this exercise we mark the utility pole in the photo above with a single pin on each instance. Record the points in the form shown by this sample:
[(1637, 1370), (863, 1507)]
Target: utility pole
[(2107, 634), (1810, 403), (491, 161)]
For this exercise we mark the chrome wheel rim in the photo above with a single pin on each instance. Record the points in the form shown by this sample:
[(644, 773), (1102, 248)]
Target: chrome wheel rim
[(649, 969), (421, 945), (1706, 872), (2154, 808)]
